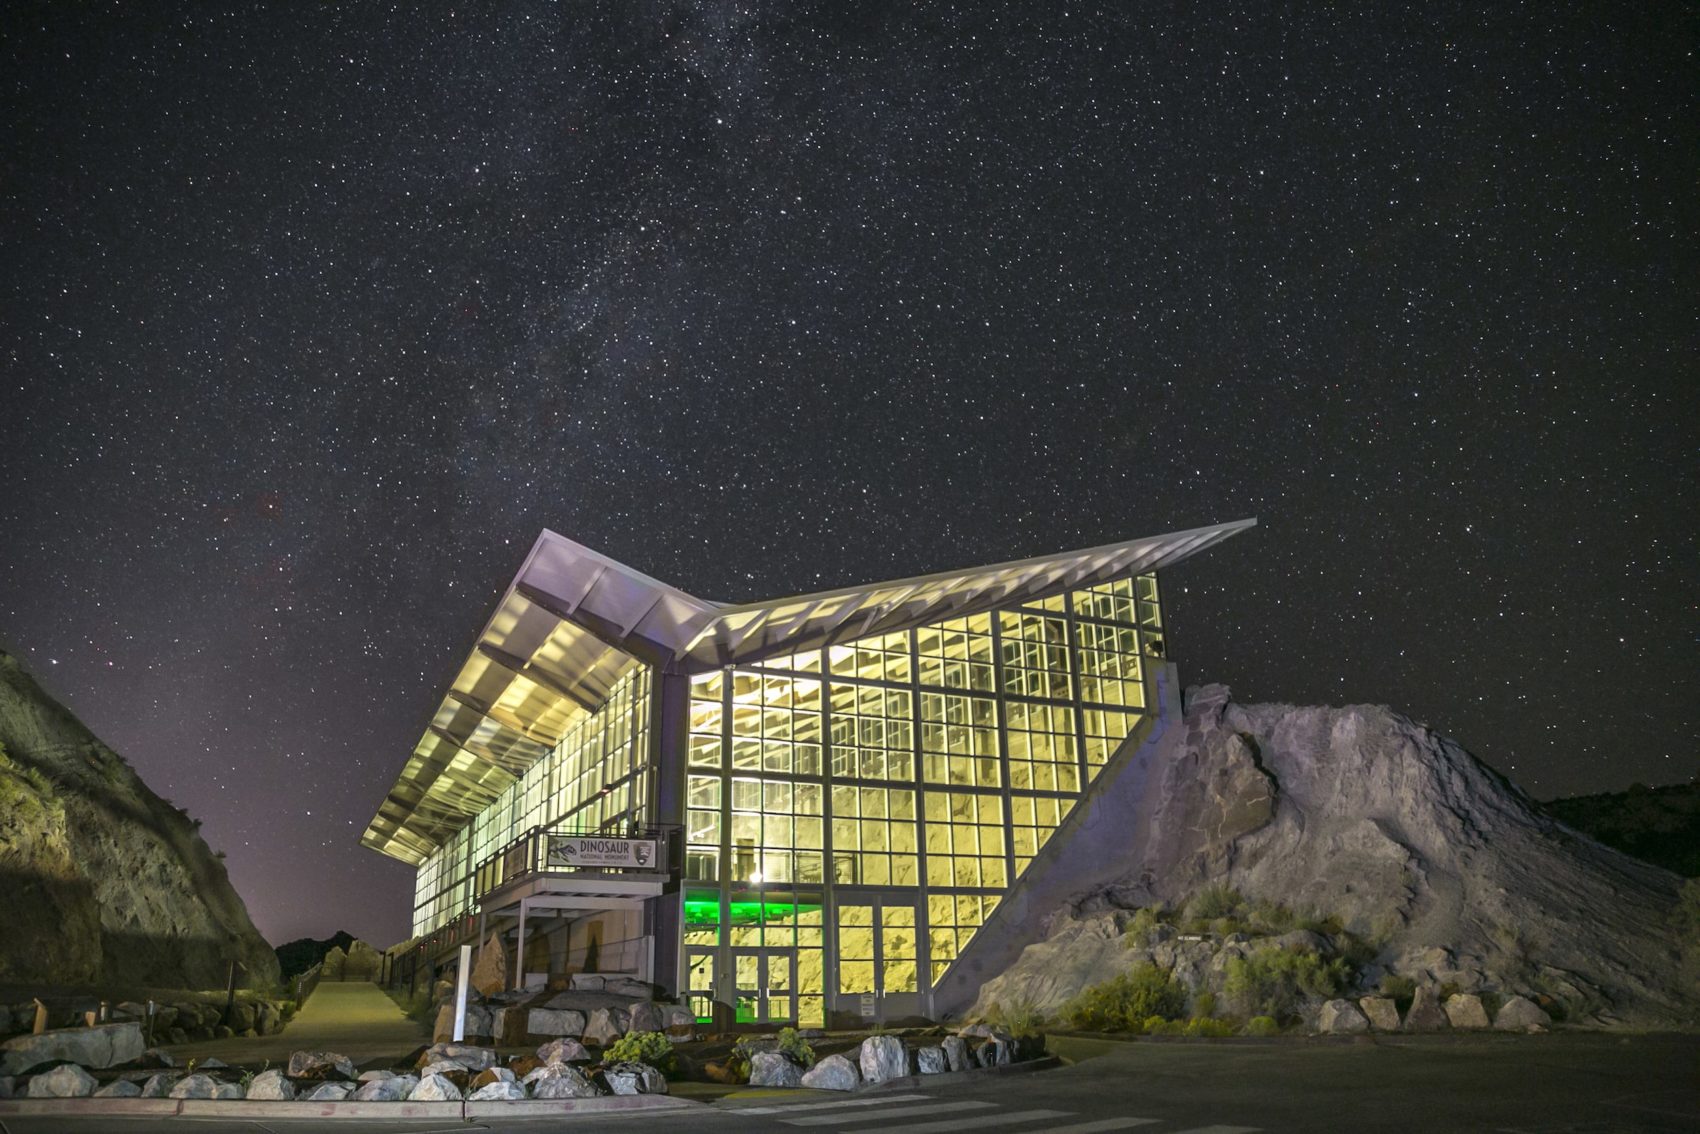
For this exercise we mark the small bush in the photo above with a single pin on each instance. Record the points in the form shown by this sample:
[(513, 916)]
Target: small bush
[(1399, 989), (1204, 1004), (1126, 1002), (1018, 1017), (1139, 927), (1262, 1026), (1214, 901), (1206, 1027), (653, 1048), (1271, 917), (795, 1048), (1271, 980)]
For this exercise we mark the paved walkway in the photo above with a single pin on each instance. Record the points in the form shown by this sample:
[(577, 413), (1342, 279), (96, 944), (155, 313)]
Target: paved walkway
[(356, 1019)]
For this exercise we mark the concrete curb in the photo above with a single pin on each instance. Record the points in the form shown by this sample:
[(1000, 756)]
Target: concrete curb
[(607, 1106)]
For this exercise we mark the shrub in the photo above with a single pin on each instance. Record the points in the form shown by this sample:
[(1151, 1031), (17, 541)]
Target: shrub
[(1019, 1017), (1399, 989), (653, 1048), (1270, 980), (1685, 915), (1261, 1026), (1126, 1002), (795, 1048), (1204, 1026), (1214, 901), (1271, 917), (1204, 1004), (1139, 927)]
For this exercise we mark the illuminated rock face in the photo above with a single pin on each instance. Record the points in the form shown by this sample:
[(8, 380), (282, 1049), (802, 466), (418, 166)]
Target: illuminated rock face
[(105, 881), (1361, 814)]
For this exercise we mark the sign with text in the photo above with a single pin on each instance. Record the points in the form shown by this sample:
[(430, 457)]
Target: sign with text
[(597, 850)]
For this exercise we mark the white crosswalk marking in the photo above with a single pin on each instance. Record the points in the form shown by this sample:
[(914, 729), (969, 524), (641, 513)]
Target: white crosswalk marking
[(975, 1123), (1221, 1130), (1098, 1126), (886, 1112), (839, 1104)]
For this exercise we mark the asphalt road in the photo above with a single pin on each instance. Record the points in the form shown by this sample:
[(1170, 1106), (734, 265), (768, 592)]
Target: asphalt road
[(1557, 1084)]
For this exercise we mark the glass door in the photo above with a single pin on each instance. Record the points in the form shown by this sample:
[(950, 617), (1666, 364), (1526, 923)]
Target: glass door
[(766, 984), (699, 982)]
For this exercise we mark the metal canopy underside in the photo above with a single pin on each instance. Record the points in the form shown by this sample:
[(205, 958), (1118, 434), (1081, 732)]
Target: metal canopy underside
[(574, 621)]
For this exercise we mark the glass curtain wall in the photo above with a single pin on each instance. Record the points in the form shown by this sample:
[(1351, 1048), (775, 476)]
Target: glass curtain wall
[(596, 779), (885, 792)]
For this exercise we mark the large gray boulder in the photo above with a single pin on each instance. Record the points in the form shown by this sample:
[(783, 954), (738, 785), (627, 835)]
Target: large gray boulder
[(434, 1088), (104, 1045), (67, 1081), (605, 1026), (1341, 1018), (272, 1086), (955, 1050), (882, 1059), (490, 973), (196, 1086), (318, 1065), (554, 1022), (635, 1079), (1425, 1013), (1465, 1011), (560, 1081), (469, 1056), (159, 1086), (563, 1051), (646, 1017), (119, 1089), (329, 1092), (500, 1091), (931, 1061), (1381, 1012), (1520, 1014), (833, 1073), (396, 1088), (771, 1069)]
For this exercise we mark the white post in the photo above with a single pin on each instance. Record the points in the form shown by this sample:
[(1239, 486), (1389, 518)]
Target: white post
[(519, 947), (461, 981)]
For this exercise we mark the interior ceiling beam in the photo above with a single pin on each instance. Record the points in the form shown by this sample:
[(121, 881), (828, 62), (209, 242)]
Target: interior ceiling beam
[(518, 665)]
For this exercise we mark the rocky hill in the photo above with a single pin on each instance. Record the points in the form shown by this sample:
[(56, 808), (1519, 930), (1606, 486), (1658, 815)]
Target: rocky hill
[(1660, 825), (1437, 871), (103, 881)]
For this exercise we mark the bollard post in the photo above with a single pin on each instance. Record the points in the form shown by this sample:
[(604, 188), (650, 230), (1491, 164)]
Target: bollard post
[(461, 980)]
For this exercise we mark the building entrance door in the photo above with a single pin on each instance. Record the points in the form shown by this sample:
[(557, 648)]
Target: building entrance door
[(699, 983), (878, 951), (766, 982)]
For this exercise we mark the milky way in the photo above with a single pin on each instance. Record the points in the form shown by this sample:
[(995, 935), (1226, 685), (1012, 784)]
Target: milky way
[(311, 317)]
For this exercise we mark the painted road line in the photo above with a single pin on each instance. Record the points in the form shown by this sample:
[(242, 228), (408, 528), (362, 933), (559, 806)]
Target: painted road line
[(977, 1122), (789, 1108), (1221, 1130), (1101, 1126), (889, 1112)]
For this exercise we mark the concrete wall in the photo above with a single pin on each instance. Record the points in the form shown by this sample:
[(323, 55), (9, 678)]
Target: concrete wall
[(1089, 849)]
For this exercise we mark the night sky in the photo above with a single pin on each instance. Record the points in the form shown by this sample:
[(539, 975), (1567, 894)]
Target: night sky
[(311, 317)]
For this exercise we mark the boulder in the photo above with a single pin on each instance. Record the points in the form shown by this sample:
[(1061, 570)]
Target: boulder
[(319, 1065), (678, 1020), (469, 1056), (1425, 1013), (1341, 1018), (242, 1016), (373, 1076), (214, 1063), (882, 1059), (222, 1090), (554, 1022), (509, 1026), (196, 1086), (505, 1091), (67, 1081), (586, 982), (434, 1088), (449, 1069), (1465, 1010), (605, 1026), (329, 1092), (771, 1069), (271, 1086), (158, 1057), (394, 1089), (490, 1075), (1520, 1014), (646, 1017), (1381, 1012), (635, 1079), (331, 968), (563, 1051), (931, 1061), (363, 962), (628, 986), (955, 1050), (490, 974), (158, 1086), (119, 1089), (834, 1073), (104, 1045), (995, 1053), (560, 1081)]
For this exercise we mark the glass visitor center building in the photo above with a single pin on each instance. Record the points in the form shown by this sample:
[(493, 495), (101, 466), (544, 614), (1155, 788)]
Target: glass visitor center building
[(787, 810)]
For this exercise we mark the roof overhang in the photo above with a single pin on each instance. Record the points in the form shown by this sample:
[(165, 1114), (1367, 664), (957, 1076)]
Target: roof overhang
[(573, 622)]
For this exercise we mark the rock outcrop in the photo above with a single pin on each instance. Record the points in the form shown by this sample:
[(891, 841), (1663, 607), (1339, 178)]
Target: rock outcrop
[(1455, 877), (103, 880)]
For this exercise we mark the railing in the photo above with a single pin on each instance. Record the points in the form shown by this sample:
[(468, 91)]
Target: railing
[(307, 982), (633, 850)]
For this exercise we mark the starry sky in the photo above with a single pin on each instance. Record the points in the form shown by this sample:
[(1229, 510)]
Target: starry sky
[(312, 316)]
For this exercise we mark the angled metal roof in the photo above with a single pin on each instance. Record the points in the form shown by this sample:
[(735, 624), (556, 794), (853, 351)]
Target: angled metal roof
[(573, 621)]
